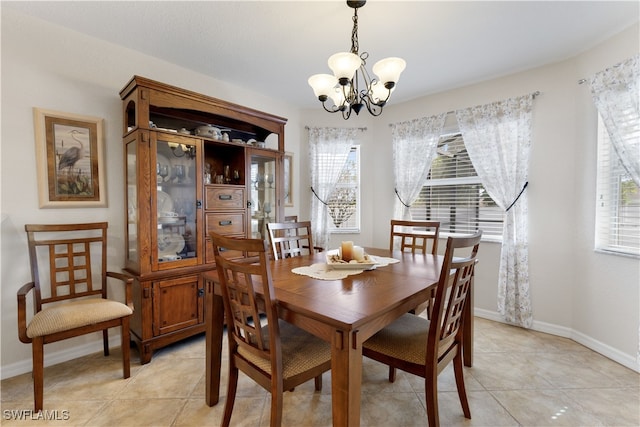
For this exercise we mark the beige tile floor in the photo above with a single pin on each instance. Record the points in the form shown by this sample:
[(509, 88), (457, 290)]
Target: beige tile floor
[(519, 378)]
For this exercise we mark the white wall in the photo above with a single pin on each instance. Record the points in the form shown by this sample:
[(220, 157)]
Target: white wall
[(606, 290), (591, 297), (51, 67), (575, 292)]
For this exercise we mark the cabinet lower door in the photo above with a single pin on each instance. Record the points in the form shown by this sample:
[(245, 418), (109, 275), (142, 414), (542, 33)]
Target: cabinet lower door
[(177, 303)]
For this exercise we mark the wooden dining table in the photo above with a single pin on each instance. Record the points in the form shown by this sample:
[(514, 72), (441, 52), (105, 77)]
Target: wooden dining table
[(344, 312)]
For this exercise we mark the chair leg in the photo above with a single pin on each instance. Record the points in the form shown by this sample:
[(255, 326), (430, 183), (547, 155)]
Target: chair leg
[(105, 341), (277, 402), (430, 303), (392, 374), (232, 386), (318, 382), (126, 348), (462, 392), (37, 351), (431, 396)]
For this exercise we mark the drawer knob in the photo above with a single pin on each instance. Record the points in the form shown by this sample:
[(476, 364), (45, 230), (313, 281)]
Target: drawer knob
[(223, 223), (224, 197)]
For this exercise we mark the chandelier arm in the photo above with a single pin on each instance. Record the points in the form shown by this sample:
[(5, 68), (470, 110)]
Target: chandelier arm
[(375, 109), (350, 96), (371, 107), (368, 81), (354, 92), (333, 110)]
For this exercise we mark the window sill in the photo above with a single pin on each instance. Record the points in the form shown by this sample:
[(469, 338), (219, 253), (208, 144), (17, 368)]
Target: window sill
[(616, 253)]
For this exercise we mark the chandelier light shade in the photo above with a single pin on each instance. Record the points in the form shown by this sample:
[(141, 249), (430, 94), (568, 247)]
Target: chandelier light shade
[(323, 84), (388, 70), (350, 87), (344, 66)]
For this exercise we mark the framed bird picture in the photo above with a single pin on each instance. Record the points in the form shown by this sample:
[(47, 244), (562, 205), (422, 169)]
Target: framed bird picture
[(69, 150)]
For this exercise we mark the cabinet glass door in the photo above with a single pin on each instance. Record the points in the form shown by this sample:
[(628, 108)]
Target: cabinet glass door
[(177, 201), (132, 203), (263, 195)]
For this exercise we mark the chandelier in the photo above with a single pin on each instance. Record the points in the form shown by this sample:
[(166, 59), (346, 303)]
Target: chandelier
[(345, 89)]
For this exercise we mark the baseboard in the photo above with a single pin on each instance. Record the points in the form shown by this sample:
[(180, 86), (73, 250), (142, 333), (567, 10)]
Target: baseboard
[(561, 331), (53, 358), (616, 355)]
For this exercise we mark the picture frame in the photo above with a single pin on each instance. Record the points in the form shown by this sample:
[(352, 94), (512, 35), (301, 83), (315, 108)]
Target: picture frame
[(69, 156), (288, 179)]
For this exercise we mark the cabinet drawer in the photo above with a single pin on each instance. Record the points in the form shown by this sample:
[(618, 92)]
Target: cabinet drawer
[(209, 257), (224, 198), (226, 223)]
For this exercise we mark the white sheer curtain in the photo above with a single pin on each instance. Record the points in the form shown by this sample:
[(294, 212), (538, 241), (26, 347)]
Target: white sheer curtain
[(414, 147), (328, 152), (615, 93), (498, 139)]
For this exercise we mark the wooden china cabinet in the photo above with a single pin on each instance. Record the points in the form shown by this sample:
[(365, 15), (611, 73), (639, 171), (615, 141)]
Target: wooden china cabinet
[(193, 164)]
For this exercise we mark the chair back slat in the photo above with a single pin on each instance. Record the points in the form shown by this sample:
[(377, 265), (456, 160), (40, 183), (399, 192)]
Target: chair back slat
[(240, 280), (415, 235), (73, 271), (289, 239)]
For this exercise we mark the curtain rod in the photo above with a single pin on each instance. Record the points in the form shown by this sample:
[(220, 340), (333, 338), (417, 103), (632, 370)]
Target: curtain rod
[(583, 81), (534, 94), (361, 128)]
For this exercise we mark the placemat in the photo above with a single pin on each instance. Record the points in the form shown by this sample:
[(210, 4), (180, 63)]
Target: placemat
[(323, 272)]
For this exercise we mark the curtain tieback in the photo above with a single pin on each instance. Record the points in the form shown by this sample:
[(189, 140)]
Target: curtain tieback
[(318, 197), (400, 198), (520, 194)]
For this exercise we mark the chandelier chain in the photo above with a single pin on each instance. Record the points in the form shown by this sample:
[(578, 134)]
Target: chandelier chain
[(354, 33)]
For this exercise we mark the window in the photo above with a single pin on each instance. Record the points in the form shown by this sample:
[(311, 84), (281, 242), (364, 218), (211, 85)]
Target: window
[(454, 195), (618, 202), (344, 203)]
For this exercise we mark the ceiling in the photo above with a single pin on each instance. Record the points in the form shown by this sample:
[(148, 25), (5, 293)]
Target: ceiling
[(272, 47)]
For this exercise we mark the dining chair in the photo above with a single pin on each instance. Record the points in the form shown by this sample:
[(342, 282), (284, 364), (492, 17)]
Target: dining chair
[(274, 353), (291, 218), (425, 347), (416, 235), (289, 239), (69, 292)]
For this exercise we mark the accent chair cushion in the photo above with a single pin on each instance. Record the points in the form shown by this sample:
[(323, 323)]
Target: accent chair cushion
[(74, 314)]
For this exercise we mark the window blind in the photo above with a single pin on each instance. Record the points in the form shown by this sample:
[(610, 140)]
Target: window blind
[(617, 201), (454, 195)]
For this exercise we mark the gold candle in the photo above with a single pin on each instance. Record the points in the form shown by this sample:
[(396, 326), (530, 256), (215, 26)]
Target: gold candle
[(347, 251)]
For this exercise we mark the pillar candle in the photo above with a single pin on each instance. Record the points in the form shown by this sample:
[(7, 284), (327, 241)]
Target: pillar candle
[(347, 251), (358, 253)]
